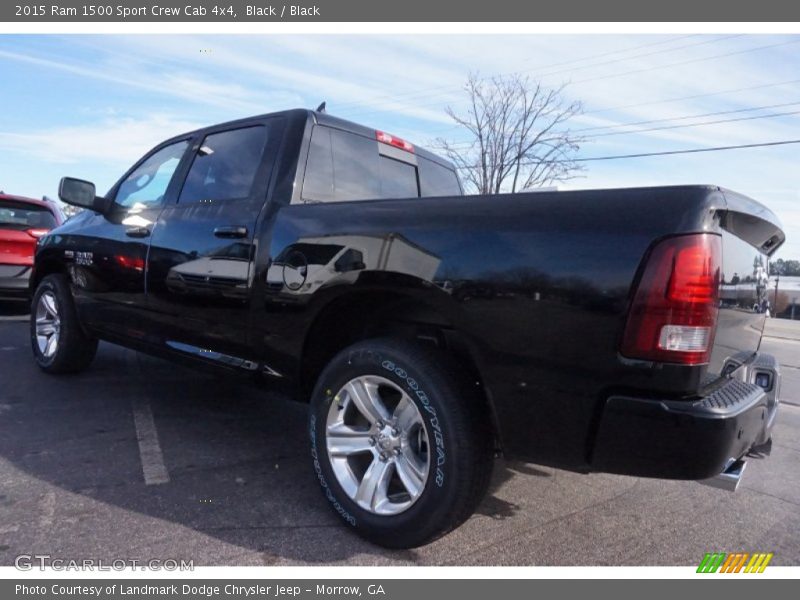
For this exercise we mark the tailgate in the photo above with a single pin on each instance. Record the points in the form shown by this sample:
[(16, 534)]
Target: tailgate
[(750, 234)]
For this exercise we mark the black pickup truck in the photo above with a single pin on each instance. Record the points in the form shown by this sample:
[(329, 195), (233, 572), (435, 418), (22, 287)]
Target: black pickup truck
[(607, 330)]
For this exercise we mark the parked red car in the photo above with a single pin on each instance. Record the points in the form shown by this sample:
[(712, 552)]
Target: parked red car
[(22, 222)]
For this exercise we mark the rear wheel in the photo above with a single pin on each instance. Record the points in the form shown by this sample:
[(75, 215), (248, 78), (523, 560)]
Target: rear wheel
[(400, 442), (59, 343)]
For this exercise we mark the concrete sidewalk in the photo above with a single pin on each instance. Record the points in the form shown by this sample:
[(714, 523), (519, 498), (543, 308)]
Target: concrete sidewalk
[(783, 328), (782, 339)]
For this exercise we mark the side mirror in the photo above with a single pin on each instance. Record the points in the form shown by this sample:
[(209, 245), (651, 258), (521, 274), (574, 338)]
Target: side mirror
[(78, 192), (351, 260), (345, 267)]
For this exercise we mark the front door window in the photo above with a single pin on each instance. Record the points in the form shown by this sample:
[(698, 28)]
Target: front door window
[(147, 185)]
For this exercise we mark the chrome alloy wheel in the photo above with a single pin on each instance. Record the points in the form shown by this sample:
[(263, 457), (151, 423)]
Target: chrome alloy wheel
[(48, 324), (377, 445)]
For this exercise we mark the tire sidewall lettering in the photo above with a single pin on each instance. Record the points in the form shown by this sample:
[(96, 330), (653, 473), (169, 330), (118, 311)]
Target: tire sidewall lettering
[(321, 476), (438, 461)]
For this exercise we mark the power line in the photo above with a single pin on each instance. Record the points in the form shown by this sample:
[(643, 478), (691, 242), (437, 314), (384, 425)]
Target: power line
[(609, 62), (668, 127), (629, 49), (690, 61), (427, 91), (673, 152), (663, 153), (692, 97), (702, 124), (635, 71), (670, 100), (683, 118)]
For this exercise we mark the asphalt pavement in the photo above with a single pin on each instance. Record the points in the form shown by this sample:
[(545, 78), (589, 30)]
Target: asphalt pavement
[(140, 459)]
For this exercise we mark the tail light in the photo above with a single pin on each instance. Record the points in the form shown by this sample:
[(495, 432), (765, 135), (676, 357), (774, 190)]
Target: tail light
[(37, 233), (130, 262), (673, 315), (386, 138)]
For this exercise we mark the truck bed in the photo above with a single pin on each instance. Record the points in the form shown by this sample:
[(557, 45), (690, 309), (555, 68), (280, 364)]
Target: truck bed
[(540, 284)]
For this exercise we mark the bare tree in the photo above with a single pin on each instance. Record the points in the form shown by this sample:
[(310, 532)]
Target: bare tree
[(519, 135)]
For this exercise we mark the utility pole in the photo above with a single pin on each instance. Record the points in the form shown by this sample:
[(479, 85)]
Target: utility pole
[(775, 302)]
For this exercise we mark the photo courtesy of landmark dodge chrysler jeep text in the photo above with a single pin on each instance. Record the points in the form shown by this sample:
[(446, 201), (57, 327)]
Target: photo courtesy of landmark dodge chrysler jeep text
[(606, 330)]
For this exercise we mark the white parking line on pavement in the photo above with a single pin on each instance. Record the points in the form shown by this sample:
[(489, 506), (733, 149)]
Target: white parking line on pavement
[(153, 467), (777, 338), (48, 510), (19, 318)]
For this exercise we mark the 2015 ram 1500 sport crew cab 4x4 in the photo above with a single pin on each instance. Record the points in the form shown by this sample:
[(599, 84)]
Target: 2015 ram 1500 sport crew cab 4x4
[(614, 330)]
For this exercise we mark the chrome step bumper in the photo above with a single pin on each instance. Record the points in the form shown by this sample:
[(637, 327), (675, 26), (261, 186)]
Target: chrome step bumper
[(730, 478)]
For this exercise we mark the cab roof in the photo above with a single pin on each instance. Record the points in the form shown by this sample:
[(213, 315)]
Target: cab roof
[(323, 118)]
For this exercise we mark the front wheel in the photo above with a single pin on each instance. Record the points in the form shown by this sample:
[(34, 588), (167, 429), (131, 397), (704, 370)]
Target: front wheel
[(58, 342), (400, 442)]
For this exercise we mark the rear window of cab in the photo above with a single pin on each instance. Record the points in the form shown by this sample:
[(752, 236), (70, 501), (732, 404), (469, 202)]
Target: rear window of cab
[(345, 166)]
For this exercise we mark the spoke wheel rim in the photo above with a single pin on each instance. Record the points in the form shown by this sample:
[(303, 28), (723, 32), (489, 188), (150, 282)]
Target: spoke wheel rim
[(48, 324), (377, 445)]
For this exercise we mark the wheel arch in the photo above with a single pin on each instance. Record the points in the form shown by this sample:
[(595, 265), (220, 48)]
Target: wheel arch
[(361, 315), (44, 266)]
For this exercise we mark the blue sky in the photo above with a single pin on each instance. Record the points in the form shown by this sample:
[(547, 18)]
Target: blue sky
[(88, 106)]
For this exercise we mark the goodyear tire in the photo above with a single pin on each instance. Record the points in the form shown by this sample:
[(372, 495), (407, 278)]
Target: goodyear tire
[(59, 343), (400, 441)]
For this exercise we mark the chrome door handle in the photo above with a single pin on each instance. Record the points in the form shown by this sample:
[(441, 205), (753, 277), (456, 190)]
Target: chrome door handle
[(230, 232), (137, 232)]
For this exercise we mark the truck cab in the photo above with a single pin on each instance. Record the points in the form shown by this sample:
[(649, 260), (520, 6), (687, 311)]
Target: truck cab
[(173, 252)]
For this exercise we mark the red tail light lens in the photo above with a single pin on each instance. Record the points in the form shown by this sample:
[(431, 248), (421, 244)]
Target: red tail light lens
[(37, 233), (673, 315), (130, 262)]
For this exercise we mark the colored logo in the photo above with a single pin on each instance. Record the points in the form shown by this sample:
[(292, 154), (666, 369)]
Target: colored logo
[(737, 562)]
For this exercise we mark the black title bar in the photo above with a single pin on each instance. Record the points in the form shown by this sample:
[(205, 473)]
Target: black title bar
[(407, 10)]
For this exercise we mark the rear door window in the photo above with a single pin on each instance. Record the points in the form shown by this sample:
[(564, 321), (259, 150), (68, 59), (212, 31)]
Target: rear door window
[(341, 166), (21, 216), (346, 166), (225, 166)]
